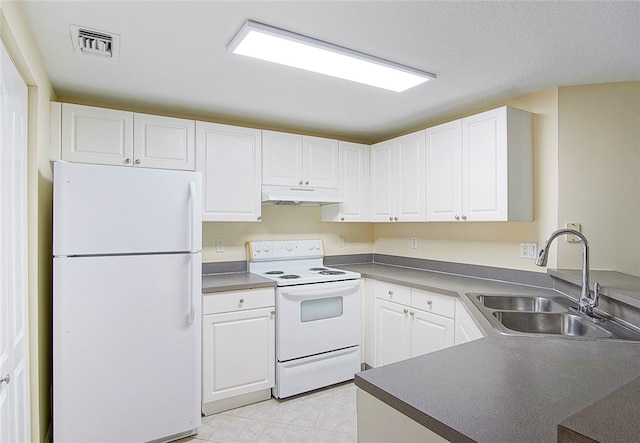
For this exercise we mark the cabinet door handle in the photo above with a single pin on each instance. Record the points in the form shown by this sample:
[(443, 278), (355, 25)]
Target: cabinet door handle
[(137, 161), (457, 217), (390, 218), (429, 302), (127, 160), (300, 182), (412, 313), (307, 182), (6, 379), (405, 311), (390, 292), (273, 312), (464, 217), (395, 218), (241, 300)]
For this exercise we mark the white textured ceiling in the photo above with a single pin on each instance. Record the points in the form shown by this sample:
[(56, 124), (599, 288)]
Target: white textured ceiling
[(173, 57)]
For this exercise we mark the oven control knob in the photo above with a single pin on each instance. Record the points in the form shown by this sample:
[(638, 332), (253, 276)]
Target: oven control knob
[(289, 247), (258, 248), (318, 246), (310, 246), (266, 248)]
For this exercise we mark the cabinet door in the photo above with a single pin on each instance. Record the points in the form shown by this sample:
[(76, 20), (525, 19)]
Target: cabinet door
[(393, 341), (281, 159), (430, 332), (96, 135), (354, 185), (444, 172), (163, 142), (466, 328), (484, 166), (320, 162), (409, 176), (238, 353), (229, 158), (382, 186)]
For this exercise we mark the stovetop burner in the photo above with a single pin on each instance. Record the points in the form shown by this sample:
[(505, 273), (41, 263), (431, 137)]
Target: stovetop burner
[(318, 269), (274, 272), (289, 276), (328, 272)]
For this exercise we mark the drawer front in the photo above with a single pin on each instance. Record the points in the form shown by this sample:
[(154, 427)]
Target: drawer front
[(392, 292), (434, 303), (237, 300)]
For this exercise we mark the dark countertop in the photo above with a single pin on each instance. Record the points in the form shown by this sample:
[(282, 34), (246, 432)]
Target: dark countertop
[(233, 281), (500, 388), (506, 389)]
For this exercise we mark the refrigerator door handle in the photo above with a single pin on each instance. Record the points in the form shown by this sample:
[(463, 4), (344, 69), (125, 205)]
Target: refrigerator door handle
[(194, 217), (192, 285)]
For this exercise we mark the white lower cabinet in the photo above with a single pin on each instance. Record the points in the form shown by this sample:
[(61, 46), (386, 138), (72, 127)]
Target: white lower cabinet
[(466, 328), (238, 349), (416, 322)]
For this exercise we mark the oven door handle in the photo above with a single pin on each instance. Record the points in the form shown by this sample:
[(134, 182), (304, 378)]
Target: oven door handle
[(321, 293)]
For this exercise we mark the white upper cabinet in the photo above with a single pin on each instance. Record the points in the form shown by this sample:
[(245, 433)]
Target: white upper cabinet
[(354, 185), (112, 137), (229, 158), (163, 142), (480, 168), (296, 160), (96, 135), (398, 179)]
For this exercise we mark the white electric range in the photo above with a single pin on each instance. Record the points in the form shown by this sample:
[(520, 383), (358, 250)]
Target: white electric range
[(318, 315)]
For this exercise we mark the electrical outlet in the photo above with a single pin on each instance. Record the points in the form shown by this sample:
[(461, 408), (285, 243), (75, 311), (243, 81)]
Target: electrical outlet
[(529, 250), (341, 241), (219, 245), (575, 227), (414, 242)]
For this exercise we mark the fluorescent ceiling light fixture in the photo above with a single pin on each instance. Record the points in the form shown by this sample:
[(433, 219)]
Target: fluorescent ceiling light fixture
[(287, 48)]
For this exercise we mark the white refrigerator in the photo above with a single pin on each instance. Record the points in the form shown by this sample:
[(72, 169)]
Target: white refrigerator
[(126, 303)]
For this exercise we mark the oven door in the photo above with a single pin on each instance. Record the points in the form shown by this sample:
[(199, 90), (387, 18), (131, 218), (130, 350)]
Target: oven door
[(317, 318)]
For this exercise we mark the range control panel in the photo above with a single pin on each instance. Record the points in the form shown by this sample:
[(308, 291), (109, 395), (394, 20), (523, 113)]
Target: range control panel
[(284, 249)]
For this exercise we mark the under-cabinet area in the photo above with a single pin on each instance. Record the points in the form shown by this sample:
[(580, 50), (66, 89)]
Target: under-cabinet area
[(479, 168)]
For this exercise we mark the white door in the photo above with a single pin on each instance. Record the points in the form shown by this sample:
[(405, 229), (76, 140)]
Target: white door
[(393, 338), (230, 160), (126, 360), (484, 166), (14, 371), (444, 172), (238, 352), (430, 332), (320, 167), (97, 135), (163, 142), (409, 176), (281, 159), (115, 210), (382, 185)]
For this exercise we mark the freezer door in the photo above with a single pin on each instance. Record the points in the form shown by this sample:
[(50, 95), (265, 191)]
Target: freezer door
[(127, 347), (120, 210)]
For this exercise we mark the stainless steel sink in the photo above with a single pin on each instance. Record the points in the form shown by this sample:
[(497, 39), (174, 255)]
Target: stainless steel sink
[(548, 316), (520, 303), (550, 323)]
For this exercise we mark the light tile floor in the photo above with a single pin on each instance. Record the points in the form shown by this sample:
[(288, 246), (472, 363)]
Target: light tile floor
[(327, 415)]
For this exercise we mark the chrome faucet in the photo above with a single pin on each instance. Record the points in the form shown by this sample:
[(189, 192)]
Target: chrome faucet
[(586, 303)]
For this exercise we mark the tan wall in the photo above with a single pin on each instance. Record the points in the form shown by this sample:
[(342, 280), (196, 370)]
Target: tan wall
[(492, 244), (599, 186), (285, 223), (18, 39)]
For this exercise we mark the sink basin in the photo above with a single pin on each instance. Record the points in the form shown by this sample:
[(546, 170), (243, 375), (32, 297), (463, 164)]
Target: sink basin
[(550, 323), (520, 303)]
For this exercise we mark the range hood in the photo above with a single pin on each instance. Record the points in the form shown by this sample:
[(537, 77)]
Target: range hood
[(291, 195)]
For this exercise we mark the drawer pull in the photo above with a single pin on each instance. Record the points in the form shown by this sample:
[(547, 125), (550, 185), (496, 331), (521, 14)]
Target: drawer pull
[(241, 300), (390, 292), (429, 302), (405, 311)]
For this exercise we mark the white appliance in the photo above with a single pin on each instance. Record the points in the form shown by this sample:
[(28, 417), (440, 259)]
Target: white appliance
[(126, 303), (318, 315)]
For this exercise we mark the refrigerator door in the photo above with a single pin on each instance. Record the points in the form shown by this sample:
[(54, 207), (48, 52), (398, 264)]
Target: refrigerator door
[(123, 210), (127, 343)]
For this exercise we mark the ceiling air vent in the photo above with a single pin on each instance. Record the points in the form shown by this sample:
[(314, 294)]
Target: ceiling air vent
[(91, 41)]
